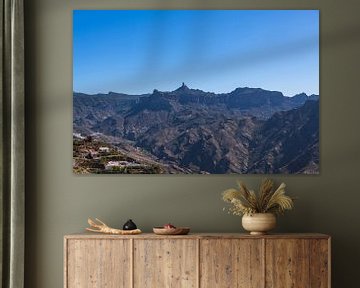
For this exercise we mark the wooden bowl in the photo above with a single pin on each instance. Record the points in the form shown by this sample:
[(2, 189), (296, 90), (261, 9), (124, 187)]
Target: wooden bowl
[(171, 231)]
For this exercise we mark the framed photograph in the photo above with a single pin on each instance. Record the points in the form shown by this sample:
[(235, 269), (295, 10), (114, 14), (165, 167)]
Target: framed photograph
[(196, 91)]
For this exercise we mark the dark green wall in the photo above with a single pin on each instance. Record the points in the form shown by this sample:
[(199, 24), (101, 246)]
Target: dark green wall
[(59, 202)]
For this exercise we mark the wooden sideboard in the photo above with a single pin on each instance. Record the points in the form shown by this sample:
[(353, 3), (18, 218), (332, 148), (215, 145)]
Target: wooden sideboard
[(197, 260)]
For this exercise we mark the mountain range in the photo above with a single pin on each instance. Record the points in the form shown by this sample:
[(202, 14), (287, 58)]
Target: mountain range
[(249, 130)]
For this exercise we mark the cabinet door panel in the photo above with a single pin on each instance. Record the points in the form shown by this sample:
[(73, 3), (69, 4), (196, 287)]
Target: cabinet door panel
[(319, 263), (165, 263), (98, 264), (287, 263), (231, 263)]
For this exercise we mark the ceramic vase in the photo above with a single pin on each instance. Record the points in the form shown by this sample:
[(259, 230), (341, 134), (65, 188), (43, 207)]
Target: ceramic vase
[(259, 223)]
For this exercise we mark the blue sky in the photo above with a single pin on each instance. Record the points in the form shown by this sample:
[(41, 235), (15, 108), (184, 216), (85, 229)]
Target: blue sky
[(137, 51)]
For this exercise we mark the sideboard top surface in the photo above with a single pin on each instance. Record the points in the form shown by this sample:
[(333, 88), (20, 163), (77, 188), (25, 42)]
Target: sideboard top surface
[(87, 235)]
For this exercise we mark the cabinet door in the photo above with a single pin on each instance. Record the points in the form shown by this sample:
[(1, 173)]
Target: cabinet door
[(320, 263), (231, 263), (98, 263), (287, 263), (165, 263)]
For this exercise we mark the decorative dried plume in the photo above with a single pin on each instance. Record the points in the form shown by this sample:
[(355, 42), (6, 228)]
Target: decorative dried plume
[(265, 191), (245, 201), (248, 196), (279, 202)]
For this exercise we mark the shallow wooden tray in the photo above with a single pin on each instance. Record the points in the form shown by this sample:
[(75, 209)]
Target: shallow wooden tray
[(171, 231)]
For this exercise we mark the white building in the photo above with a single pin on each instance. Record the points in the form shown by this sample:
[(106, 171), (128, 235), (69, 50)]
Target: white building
[(121, 164), (104, 149)]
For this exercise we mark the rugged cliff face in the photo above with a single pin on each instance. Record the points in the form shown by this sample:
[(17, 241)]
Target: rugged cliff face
[(288, 142), (248, 130)]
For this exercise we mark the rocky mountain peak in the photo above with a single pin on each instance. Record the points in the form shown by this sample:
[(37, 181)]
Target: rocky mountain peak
[(183, 87), (301, 96)]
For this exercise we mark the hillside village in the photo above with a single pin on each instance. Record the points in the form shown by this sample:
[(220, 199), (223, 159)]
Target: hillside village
[(92, 155)]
